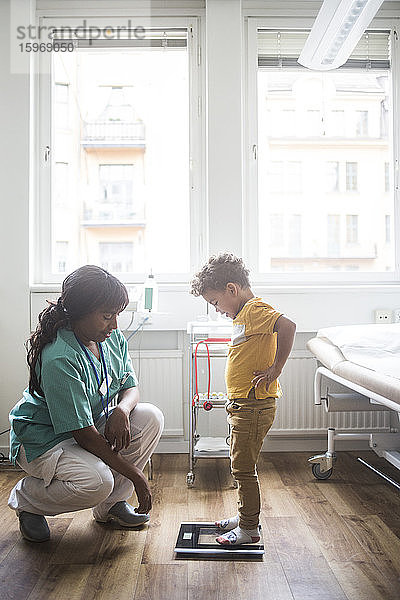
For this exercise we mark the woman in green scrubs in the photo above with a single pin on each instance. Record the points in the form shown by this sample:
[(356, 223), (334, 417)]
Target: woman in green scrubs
[(79, 432)]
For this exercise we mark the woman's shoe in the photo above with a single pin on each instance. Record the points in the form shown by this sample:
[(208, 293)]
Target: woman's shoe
[(125, 515), (33, 527)]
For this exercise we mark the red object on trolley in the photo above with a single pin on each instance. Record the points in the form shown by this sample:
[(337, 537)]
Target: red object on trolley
[(196, 396), (207, 405)]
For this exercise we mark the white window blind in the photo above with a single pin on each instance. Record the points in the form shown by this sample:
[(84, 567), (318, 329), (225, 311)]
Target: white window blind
[(135, 38), (281, 49)]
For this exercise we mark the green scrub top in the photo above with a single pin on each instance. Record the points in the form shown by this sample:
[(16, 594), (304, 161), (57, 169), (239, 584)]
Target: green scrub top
[(70, 398)]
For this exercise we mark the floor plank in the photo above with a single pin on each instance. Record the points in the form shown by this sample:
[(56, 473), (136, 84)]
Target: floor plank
[(162, 582), (306, 569)]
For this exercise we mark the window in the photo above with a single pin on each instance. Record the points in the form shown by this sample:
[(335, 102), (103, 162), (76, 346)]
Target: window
[(332, 176), (128, 165), (387, 229), (387, 177), (351, 176), (61, 257), (336, 123), (115, 202), (285, 177), (313, 123), (61, 105), (333, 236), (285, 123), (116, 257), (276, 237), (338, 168), (352, 229), (361, 122), (295, 235), (60, 185)]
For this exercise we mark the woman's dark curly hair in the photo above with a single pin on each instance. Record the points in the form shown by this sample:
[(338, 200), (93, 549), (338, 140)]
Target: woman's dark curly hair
[(217, 272), (84, 291)]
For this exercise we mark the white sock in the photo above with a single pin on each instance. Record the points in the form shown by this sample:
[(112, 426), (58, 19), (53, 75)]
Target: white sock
[(239, 536), (228, 524)]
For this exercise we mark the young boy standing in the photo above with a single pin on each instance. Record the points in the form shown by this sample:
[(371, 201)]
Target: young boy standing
[(261, 342)]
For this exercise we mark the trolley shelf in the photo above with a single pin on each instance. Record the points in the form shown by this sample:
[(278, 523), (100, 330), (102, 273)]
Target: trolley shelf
[(208, 339), (211, 447)]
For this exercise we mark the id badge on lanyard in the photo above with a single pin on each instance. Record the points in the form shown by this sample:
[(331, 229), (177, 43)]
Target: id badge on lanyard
[(104, 387)]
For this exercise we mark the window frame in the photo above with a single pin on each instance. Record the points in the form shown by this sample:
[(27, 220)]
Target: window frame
[(250, 137), (41, 264)]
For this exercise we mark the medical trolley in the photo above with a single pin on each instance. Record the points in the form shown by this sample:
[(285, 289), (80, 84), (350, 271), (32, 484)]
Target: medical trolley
[(208, 341)]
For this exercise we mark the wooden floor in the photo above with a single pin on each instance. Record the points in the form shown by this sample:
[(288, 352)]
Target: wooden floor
[(331, 540)]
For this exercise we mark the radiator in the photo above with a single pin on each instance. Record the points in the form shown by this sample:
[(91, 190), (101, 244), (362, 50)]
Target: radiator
[(160, 374), (297, 412)]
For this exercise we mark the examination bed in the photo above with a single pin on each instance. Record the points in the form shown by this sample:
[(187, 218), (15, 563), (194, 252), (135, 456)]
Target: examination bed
[(358, 370)]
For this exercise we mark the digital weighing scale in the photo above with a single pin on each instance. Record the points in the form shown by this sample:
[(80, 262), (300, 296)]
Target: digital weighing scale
[(198, 540)]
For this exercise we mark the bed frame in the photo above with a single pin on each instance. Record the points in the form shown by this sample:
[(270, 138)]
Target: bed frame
[(385, 445)]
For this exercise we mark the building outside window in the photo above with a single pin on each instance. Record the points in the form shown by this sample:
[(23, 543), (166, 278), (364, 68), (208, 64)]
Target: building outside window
[(351, 177), (361, 122), (61, 257), (61, 105), (336, 123), (60, 183), (277, 232), (337, 114), (116, 257), (333, 235), (295, 235), (352, 229), (387, 229), (332, 176), (387, 177), (123, 164)]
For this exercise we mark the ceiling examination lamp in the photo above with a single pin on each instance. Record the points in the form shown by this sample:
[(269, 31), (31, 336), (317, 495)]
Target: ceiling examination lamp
[(337, 29)]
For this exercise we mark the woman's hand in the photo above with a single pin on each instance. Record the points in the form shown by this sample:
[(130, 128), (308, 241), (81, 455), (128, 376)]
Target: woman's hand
[(117, 430), (143, 492), (265, 377)]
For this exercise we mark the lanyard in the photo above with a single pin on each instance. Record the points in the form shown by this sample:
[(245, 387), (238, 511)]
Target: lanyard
[(105, 409)]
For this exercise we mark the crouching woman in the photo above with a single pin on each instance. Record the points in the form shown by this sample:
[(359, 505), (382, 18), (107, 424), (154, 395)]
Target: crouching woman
[(78, 447)]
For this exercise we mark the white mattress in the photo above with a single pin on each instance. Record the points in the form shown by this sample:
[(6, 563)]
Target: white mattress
[(375, 347), (368, 355)]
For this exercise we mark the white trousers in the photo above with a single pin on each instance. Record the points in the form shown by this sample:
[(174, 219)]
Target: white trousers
[(68, 478)]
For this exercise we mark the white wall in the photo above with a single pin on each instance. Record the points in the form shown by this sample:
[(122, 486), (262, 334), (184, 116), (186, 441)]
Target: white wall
[(312, 307), (14, 223)]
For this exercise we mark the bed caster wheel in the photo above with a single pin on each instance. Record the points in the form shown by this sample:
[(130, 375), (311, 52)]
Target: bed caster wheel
[(190, 479), (318, 474), (228, 440)]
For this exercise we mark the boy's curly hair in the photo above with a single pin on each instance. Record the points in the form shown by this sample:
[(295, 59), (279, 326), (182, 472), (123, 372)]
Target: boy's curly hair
[(217, 272)]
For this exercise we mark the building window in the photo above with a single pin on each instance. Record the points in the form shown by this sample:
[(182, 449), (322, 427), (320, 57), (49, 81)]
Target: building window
[(285, 177), (134, 153), (361, 123), (333, 237), (387, 177), (61, 105), (61, 257), (332, 176), (116, 257), (294, 237), (387, 229), (336, 123), (352, 229), (277, 236), (284, 123), (313, 123), (351, 176), (60, 185), (336, 165)]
